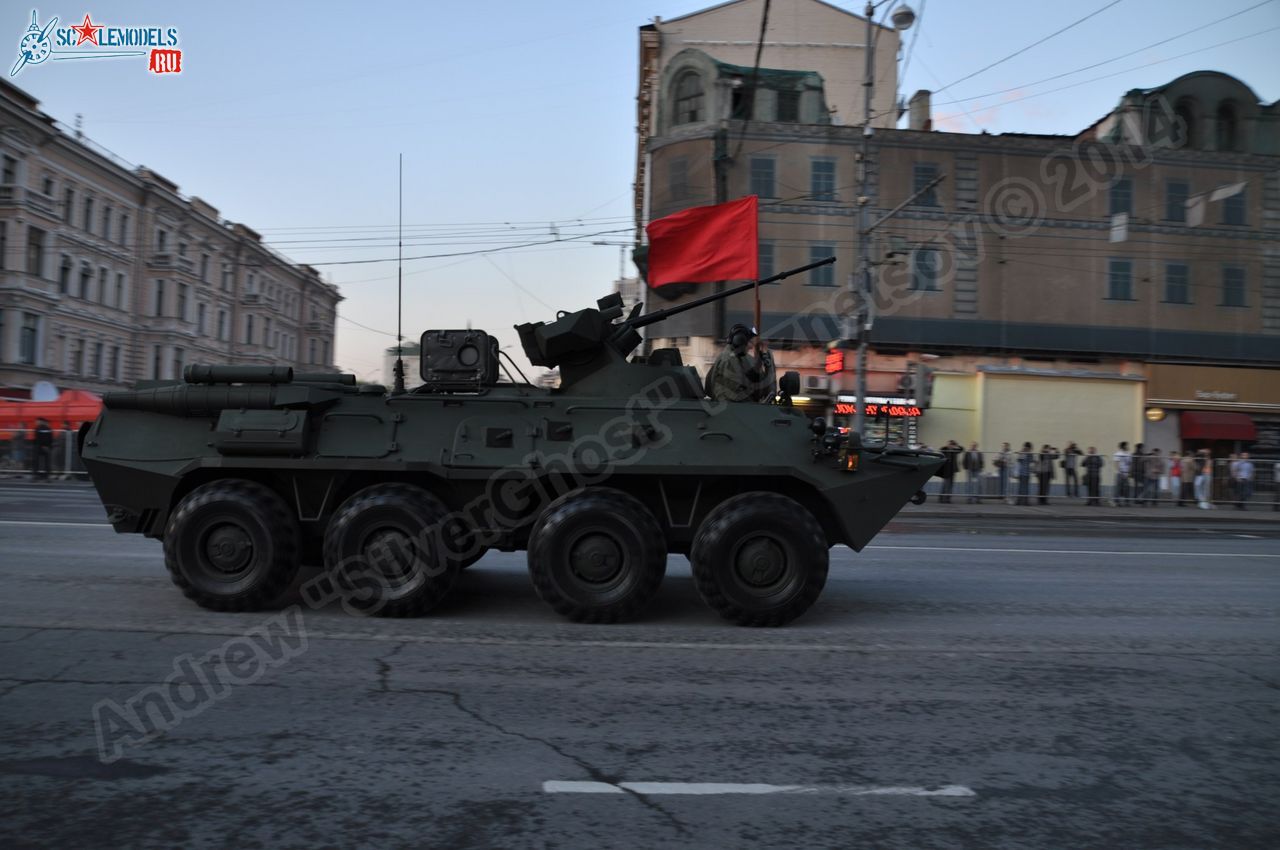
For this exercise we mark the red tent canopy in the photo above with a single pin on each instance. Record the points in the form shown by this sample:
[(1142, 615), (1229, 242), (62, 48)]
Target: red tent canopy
[(72, 408), (1215, 425)]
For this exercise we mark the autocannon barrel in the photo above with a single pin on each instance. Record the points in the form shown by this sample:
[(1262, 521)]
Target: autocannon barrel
[(345, 378), (200, 374)]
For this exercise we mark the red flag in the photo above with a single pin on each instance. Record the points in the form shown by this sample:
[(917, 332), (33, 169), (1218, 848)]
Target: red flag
[(705, 244)]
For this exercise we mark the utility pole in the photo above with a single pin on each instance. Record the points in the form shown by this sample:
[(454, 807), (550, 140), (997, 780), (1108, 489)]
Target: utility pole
[(863, 329)]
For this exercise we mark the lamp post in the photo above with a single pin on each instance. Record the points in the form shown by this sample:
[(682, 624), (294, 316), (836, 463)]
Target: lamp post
[(902, 19)]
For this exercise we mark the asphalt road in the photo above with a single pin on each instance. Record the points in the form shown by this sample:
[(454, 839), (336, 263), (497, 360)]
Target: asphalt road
[(971, 687)]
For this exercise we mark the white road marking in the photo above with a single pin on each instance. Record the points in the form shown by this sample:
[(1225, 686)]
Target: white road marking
[(701, 789), (1077, 552), (61, 524)]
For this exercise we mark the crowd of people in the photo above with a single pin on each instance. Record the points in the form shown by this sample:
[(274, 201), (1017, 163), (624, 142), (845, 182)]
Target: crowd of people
[(33, 451), (1141, 476)]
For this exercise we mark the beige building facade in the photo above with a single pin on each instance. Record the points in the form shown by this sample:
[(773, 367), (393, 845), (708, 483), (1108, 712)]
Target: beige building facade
[(1042, 280), (109, 275)]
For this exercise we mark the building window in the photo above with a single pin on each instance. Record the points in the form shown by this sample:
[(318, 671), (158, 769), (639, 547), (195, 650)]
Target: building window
[(4, 245), (226, 276), (124, 229), (156, 354), (248, 330), (27, 337), (766, 260), (822, 180), (113, 364), (1176, 193), (822, 275), (46, 187), (1121, 196), (324, 345), (64, 275), (103, 292), (106, 222), (35, 251), (182, 249), (182, 301), (1226, 135), (200, 315), (179, 360), (763, 176), (88, 215), (120, 305), (1177, 283), (77, 357), (162, 240), (222, 325), (924, 270), (1233, 209), (10, 175), (204, 268), (311, 351), (159, 311), (788, 107), (1233, 287), (266, 332), (1185, 114), (921, 175), (689, 99), (95, 360), (677, 185), (1120, 280), (68, 204), (86, 282)]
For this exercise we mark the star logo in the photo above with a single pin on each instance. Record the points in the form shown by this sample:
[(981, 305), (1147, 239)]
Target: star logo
[(87, 31)]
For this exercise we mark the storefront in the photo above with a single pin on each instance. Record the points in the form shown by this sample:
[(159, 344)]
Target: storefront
[(1224, 410), (887, 418)]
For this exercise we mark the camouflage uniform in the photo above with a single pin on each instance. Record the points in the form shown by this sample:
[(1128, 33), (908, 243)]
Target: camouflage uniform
[(742, 377)]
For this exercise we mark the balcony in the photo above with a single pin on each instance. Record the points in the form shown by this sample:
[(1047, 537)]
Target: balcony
[(12, 195), (172, 262)]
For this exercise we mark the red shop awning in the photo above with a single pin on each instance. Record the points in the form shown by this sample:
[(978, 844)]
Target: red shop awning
[(1213, 425)]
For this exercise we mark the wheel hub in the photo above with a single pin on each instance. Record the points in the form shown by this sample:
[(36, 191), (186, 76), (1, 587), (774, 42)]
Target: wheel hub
[(390, 551), (596, 558), (761, 562), (228, 548)]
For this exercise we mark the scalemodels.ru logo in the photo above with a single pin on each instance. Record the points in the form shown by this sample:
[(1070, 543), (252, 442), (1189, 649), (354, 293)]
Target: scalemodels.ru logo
[(98, 41)]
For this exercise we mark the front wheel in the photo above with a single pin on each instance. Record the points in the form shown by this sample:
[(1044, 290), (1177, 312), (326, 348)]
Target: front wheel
[(232, 545), (597, 555), (759, 559)]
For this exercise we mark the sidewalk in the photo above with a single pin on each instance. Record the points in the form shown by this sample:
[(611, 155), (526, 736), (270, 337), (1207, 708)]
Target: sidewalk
[(1062, 508)]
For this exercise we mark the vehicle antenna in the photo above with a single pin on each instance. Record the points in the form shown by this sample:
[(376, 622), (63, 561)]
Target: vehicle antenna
[(398, 387)]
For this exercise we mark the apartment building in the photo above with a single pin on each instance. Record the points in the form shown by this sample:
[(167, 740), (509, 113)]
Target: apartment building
[(109, 275)]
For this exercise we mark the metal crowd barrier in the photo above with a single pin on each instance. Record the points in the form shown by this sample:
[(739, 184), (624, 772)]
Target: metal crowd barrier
[(18, 455)]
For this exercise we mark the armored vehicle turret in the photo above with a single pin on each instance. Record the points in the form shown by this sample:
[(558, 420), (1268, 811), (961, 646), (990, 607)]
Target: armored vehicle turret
[(249, 474)]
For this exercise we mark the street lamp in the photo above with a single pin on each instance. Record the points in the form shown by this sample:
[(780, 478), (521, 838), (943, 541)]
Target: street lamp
[(902, 19)]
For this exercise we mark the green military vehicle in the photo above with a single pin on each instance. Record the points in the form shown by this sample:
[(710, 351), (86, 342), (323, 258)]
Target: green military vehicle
[(248, 473)]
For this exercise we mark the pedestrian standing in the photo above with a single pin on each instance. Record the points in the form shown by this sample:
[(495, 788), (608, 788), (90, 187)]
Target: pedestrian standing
[(40, 458), (1048, 455), (1188, 493), (973, 465), (1175, 476), (1070, 457), (1138, 473), (951, 451), (1092, 463), (1026, 460), (1124, 462), (1275, 486), (1004, 468), (1204, 476), (1244, 480), (18, 447), (1154, 470), (1233, 462)]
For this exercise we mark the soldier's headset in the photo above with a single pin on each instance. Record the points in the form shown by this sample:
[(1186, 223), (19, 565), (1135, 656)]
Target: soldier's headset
[(739, 336)]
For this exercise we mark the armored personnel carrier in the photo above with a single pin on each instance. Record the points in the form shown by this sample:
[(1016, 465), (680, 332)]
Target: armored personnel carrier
[(249, 473)]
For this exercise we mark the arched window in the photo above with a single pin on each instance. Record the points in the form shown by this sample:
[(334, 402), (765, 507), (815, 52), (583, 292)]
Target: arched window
[(689, 98), (1226, 129), (1186, 115)]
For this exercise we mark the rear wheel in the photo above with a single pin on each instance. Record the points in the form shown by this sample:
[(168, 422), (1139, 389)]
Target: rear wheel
[(759, 559), (232, 545), (597, 556), (382, 550)]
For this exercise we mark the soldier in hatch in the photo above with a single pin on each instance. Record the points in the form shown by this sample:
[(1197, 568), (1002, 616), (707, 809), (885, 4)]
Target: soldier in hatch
[(739, 376)]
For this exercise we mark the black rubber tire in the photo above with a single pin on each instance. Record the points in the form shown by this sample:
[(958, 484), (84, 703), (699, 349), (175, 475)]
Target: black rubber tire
[(381, 581), (257, 541), (781, 533), (603, 524)]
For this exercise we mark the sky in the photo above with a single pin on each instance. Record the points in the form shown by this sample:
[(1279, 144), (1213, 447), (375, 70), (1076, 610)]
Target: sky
[(516, 122)]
